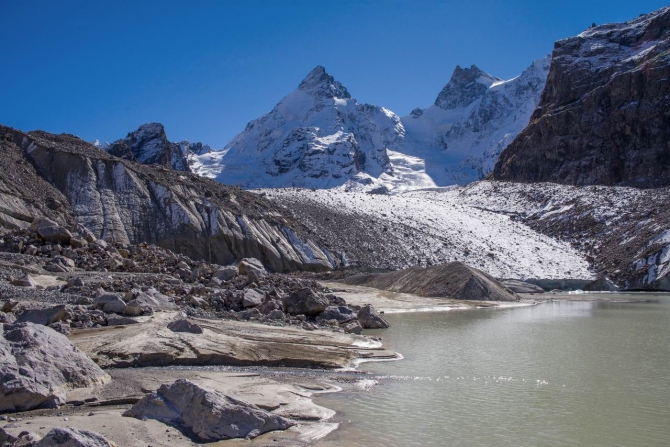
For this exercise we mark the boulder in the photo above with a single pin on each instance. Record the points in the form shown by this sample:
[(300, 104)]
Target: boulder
[(369, 318), (25, 281), (353, 327), (7, 318), (342, 314), (276, 315), (73, 437), (183, 325), (78, 242), (118, 320), (133, 309), (305, 301), (8, 305), (43, 316), (6, 439), (50, 231), (206, 414), (38, 366), (111, 303), (248, 265), (75, 282), (226, 273), (252, 298)]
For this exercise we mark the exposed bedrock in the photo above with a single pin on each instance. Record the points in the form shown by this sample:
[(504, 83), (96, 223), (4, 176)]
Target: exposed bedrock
[(126, 202)]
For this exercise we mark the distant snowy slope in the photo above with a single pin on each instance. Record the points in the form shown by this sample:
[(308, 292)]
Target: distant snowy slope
[(473, 119), (426, 228)]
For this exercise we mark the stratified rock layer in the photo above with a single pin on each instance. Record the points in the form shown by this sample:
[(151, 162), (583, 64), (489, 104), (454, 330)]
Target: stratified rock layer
[(125, 202), (604, 116)]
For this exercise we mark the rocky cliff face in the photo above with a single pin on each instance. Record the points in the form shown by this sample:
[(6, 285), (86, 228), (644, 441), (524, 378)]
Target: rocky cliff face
[(473, 119), (127, 202), (604, 116), (149, 145)]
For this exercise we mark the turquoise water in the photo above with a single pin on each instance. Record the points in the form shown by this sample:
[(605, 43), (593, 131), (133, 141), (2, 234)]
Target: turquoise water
[(555, 374)]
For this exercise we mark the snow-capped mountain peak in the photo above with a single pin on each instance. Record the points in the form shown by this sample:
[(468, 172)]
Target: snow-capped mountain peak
[(319, 83), (465, 86), (475, 116), (318, 136)]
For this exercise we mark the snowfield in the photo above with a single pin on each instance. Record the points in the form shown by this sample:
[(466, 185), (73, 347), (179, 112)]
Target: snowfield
[(428, 227)]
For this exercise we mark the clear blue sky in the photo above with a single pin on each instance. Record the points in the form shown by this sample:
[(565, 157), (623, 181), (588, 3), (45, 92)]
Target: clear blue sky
[(205, 68)]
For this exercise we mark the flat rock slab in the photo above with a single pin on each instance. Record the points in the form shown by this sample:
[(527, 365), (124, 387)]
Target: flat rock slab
[(222, 342)]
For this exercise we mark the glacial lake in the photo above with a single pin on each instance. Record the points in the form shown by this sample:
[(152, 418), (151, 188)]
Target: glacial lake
[(561, 373)]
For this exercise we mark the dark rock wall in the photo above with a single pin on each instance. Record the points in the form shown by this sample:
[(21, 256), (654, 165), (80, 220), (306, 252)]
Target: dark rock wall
[(604, 116)]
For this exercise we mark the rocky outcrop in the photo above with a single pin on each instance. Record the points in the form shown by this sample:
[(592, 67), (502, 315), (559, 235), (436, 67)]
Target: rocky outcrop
[(149, 145), (369, 318), (452, 280), (73, 437), (206, 414), (125, 202), (222, 342), (603, 116), (38, 366), (305, 302)]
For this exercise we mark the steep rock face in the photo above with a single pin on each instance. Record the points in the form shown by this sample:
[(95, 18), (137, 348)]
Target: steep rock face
[(316, 137), (122, 201), (473, 119), (149, 145), (24, 194), (604, 117)]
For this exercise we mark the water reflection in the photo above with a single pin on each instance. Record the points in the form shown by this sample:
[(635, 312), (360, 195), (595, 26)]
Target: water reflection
[(557, 374)]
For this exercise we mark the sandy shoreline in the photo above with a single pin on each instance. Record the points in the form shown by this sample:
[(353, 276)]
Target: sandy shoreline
[(394, 302), (280, 391)]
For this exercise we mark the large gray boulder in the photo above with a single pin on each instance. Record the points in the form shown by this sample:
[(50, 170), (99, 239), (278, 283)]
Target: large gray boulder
[(371, 319), (342, 314), (209, 415), (226, 273), (306, 302), (50, 230), (248, 266), (111, 303), (38, 366), (73, 437), (252, 298), (43, 316), (183, 325)]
